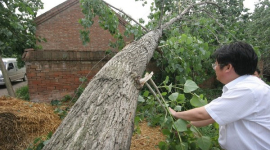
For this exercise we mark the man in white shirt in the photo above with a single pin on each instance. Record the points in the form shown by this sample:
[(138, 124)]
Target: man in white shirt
[(243, 109)]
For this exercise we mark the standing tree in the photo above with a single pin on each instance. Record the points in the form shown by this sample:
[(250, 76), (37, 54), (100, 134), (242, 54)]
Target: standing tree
[(102, 118), (259, 33), (187, 46), (17, 30)]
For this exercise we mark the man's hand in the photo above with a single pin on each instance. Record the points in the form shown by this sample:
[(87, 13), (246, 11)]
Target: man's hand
[(172, 112)]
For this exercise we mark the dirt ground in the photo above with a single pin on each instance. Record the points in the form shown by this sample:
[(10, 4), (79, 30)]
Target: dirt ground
[(22, 122), (148, 139)]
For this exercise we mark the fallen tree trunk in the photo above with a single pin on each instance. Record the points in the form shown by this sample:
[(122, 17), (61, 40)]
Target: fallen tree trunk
[(102, 118)]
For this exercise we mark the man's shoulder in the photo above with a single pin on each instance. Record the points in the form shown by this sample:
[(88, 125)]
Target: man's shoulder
[(253, 84)]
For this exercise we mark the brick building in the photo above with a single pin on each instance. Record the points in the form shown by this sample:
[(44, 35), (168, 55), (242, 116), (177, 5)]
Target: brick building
[(54, 71)]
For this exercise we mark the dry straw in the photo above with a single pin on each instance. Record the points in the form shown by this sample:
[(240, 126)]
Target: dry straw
[(21, 122)]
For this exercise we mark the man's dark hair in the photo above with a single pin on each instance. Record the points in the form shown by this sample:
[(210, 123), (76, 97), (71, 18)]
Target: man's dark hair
[(241, 55)]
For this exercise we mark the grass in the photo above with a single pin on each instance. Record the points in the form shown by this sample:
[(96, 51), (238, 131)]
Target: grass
[(22, 93)]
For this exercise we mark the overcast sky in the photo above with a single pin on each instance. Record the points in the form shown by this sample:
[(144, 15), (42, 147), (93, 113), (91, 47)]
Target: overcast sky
[(132, 8)]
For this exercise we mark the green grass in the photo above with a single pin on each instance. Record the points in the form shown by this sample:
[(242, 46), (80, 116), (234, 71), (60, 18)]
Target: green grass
[(22, 93)]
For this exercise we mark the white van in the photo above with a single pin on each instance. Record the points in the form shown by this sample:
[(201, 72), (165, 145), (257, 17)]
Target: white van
[(14, 73)]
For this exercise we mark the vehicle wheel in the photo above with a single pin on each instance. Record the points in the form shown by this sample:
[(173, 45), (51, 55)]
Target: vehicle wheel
[(24, 78)]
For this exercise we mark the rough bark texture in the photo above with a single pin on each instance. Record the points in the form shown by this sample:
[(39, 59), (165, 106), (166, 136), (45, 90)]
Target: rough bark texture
[(103, 116), (6, 78)]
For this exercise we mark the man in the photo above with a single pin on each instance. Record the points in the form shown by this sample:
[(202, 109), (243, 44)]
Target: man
[(243, 109)]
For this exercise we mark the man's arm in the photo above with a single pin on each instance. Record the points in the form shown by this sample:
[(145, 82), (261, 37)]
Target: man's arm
[(196, 114), (202, 123)]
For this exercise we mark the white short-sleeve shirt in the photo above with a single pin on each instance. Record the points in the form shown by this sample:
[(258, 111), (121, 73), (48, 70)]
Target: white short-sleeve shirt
[(243, 113)]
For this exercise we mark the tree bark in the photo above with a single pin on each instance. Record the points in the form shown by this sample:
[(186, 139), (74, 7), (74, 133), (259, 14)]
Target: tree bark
[(103, 116), (6, 78)]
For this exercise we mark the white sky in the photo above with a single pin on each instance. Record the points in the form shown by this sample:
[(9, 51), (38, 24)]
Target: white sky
[(132, 8)]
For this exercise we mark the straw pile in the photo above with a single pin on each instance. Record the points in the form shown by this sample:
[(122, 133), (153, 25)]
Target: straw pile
[(21, 122)]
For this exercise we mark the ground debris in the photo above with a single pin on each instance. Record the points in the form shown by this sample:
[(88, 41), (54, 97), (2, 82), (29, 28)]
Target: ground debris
[(148, 138), (21, 122)]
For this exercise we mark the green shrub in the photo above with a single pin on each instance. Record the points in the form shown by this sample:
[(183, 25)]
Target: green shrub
[(39, 142), (180, 97), (22, 93), (66, 98)]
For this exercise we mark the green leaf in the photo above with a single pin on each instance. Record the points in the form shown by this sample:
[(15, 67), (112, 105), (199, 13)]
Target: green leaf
[(204, 142), (194, 130), (37, 140), (190, 86), (141, 99), (180, 125), (162, 145), (169, 88), (166, 80), (183, 38), (189, 40), (181, 98), (182, 50), (146, 93), (40, 146), (216, 125), (166, 132), (178, 108), (196, 101), (182, 146), (175, 46), (164, 93), (173, 96)]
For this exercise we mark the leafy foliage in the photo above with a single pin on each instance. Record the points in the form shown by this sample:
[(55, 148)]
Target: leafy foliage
[(188, 44), (17, 31), (258, 32), (39, 142), (17, 28), (184, 57), (179, 97), (108, 20)]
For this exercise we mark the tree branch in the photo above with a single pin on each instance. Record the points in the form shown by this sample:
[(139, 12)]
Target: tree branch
[(126, 15), (212, 33), (221, 25), (166, 25), (161, 14)]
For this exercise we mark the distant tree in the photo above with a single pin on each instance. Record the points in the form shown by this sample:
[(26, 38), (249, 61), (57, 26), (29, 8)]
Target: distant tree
[(188, 44), (17, 30), (258, 31)]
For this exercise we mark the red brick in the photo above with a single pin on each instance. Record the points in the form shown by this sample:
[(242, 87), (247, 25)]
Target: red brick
[(56, 69), (40, 74)]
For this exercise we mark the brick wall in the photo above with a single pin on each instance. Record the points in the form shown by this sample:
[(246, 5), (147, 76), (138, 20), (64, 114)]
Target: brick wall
[(54, 71), (60, 27), (57, 73), (54, 74)]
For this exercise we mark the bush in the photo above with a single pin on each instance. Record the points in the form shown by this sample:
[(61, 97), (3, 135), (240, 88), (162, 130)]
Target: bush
[(22, 93)]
